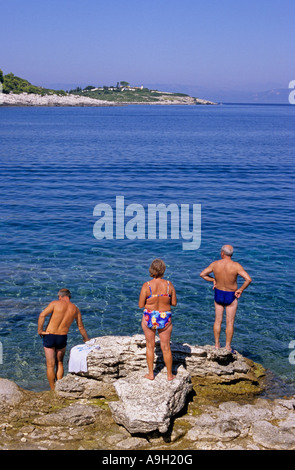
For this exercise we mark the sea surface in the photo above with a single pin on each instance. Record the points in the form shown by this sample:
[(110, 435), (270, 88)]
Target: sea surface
[(234, 162)]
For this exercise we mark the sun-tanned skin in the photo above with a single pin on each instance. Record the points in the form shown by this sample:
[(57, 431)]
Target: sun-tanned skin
[(63, 313), (164, 303), (226, 272)]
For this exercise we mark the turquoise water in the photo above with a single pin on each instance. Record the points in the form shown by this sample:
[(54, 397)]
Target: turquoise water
[(57, 164)]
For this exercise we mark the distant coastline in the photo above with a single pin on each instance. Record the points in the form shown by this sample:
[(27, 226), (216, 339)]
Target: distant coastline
[(16, 91), (30, 99)]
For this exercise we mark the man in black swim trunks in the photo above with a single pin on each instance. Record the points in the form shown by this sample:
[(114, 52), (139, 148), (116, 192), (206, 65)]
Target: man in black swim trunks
[(226, 272), (63, 313)]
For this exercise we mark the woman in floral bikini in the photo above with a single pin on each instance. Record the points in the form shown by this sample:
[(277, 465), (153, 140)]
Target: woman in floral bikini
[(156, 297)]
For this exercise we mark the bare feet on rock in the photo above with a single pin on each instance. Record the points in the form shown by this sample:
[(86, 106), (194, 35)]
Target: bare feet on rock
[(149, 376)]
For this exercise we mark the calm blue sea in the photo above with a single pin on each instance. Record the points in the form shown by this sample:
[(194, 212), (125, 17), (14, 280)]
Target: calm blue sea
[(57, 164)]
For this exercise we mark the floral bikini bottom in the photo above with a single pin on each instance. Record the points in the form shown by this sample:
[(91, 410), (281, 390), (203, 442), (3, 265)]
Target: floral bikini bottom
[(155, 319)]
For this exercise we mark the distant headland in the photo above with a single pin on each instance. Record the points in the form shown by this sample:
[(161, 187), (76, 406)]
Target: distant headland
[(17, 91)]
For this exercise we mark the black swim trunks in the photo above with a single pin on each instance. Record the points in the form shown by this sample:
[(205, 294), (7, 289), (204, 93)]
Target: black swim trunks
[(55, 341)]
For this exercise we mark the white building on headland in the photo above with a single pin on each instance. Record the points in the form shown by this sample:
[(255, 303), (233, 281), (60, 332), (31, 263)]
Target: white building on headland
[(129, 88), (121, 88)]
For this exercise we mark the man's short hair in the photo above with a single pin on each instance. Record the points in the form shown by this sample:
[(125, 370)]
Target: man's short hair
[(65, 293), (157, 268), (228, 251)]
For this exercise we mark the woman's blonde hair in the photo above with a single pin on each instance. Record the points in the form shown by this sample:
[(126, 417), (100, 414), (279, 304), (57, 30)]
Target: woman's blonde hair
[(157, 268)]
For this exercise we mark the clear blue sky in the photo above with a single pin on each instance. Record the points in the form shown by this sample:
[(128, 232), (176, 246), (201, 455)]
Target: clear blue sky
[(243, 44)]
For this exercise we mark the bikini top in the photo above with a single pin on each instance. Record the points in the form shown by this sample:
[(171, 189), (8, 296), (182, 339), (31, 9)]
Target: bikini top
[(158, 295)]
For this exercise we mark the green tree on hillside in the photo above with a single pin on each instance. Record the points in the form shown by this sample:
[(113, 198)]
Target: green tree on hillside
[(14, 84)]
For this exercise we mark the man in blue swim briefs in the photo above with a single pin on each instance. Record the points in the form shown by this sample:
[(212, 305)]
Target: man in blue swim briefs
[(226, 291), (63, 313)]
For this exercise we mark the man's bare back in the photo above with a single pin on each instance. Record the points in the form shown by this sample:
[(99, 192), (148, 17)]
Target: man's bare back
[(63, 315), (226, 273), (63, 312)]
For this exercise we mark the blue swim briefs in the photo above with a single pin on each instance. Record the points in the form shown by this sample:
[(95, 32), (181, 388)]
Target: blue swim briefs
[(223, 297)]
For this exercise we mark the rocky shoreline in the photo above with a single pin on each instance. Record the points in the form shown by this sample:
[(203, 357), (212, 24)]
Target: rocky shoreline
[(25, 99), (93, 410)]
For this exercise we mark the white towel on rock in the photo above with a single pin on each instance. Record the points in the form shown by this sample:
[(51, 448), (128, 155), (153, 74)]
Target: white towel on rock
[(78, 356)]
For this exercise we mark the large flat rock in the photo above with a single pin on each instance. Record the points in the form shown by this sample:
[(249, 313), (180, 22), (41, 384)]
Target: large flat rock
[(118, 356), (116, 370), (148, 405)]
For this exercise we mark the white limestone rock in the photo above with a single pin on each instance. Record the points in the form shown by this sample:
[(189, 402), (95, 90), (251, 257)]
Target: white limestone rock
[(31, 99), (148, 405), (10, 393)]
